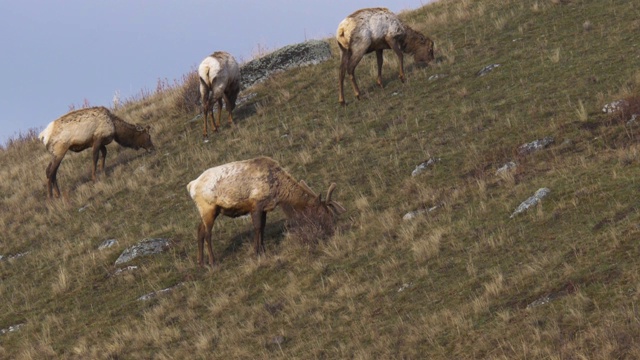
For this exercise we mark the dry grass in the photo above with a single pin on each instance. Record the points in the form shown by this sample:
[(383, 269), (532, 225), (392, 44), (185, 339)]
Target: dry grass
[(454, 282)]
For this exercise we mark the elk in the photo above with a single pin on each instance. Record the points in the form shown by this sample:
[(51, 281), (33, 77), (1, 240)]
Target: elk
[(255, 187), (377, 29), (219, 79), (92, 128)]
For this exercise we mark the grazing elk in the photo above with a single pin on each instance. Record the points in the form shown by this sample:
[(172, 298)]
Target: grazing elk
[(92, 128), (253, 187), (219, 79), (376, 29)]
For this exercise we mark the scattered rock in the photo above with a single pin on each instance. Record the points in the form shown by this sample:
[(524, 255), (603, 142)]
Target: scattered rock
[(11, 328), (437, 76), (122, 270), (506, 167), (405, 286), (570, 288), (152, 295), (535, 145), (14, 256), (413, 214), (532, 201), (107, 244), (615, 106), (145, 247), (307, 53), (422, 167), (487, 69)]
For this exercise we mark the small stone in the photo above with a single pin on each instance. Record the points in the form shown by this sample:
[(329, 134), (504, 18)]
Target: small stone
[(506, 167), (423, 166), (436, 77), (107, 244), (487, 69), (532, 201), (145, 247), (612, 107), (535, 145)]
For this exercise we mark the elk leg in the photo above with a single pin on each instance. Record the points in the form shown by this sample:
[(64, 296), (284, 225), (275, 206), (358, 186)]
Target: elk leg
[(204, 233), (351, 71), (219, 102), (52, 172), (396, 48), (227, 104), (204, 99), (259, 219), (344, 61), (95, 155), (103, 152), (380, 59)]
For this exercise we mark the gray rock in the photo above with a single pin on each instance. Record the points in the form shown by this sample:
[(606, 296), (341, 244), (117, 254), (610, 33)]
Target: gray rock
[(126, 269), (307, 53), (405, 286), (535, 145), (506, 167), (413, 214), (437, 76), (532, 201), (422, 167), (11, 328), (14, 256), (487, 69), (612, 107), (145, 247), (107, 244), (152, 295)]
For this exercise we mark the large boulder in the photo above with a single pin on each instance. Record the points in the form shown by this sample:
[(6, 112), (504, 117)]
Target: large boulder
[(311, 52)]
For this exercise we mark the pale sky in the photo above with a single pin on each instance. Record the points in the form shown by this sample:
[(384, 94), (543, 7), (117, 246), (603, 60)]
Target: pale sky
[(54, 54)]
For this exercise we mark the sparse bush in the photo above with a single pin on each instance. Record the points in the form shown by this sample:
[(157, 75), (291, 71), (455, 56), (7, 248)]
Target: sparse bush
[(189, 98), (21, 138)]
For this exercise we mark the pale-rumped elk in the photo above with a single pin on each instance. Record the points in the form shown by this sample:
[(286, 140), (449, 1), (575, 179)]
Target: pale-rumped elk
[(255, 187), (377, 29), (219, 79), (92, 128)]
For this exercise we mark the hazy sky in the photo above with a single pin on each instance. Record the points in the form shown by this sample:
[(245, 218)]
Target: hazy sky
[(57, 53)]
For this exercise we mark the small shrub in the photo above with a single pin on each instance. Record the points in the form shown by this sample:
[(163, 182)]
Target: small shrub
[(189, 99)]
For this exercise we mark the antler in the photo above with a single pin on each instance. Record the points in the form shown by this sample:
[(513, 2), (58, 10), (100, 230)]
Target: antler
[(330, 191), (307, 188), (335, 206)]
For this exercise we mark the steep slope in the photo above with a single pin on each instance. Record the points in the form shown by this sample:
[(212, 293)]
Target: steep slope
[(464, 280)]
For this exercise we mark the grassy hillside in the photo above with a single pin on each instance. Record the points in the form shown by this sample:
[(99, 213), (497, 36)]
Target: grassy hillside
[(465, 280)]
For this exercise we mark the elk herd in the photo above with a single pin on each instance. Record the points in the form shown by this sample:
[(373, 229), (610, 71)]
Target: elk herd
[(254, 186)]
